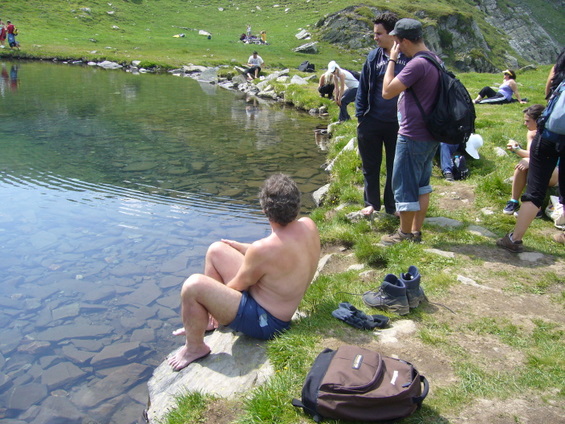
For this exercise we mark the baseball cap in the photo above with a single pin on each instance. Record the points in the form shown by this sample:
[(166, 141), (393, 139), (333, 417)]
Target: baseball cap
[(510, 73), (332, 65), (408, 28), (474, 143)]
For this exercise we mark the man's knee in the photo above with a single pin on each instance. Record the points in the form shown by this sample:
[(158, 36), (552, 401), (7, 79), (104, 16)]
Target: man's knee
[(192, 285)]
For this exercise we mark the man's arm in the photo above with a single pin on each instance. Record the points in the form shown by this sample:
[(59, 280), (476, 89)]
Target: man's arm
[(392, 86), (250, 271)]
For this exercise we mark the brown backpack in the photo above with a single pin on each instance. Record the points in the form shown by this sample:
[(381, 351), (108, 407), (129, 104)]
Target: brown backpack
[(352, 383)]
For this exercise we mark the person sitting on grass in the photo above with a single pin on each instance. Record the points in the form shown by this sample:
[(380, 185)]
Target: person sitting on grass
[(506, 90), (254, 62), (253, 288), (531, 115)]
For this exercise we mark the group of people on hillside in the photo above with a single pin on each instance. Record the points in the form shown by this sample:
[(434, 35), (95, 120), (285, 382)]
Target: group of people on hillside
[(393, 122), (248, 38), (8, 31), (256, 288)]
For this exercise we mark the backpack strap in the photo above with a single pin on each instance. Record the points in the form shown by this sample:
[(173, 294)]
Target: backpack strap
[(440, 67), (315, 416), (419, 399)]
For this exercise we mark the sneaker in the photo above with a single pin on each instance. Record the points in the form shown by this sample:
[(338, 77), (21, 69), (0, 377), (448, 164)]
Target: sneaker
[(390, 297), (417, 237), (559, 238), (511, 246), (396, 237), (448, 176), (511, 207)]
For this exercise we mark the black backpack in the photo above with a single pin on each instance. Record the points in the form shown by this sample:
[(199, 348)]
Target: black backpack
[(353, 383), (452, 119), (306, 66), (459, 168)]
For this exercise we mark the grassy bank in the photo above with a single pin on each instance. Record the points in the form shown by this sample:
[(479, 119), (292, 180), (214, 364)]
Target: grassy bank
[(454, 346), (501, 340)]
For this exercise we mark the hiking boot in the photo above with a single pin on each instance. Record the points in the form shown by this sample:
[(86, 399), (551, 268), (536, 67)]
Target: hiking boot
[(390, 297), (559, 238), (414, 292), (448, 177), (417, 237), (512, 246), (511, 207), (396, 237)]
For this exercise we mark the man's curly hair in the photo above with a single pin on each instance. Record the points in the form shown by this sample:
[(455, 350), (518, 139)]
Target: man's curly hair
[(280, 199)]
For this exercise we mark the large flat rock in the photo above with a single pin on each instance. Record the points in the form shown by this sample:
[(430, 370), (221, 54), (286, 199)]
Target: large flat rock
[(237, 364)]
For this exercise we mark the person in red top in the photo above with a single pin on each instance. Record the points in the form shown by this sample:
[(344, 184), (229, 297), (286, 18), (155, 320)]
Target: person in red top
[(11, 36), (2, 34)]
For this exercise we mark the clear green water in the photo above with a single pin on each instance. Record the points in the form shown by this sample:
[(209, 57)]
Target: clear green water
[(112, 185)]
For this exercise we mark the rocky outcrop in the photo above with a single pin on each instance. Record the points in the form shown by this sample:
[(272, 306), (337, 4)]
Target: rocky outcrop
[(526, 36), (456, 37), (237, 364)]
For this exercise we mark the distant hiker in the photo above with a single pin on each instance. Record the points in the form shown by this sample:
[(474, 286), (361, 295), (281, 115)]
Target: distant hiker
[(254, 62), (12, 32), (326, 85), (345, 89), (3, 34), (506, 90)]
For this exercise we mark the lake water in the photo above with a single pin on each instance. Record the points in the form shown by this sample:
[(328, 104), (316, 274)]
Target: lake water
[(112, 185)]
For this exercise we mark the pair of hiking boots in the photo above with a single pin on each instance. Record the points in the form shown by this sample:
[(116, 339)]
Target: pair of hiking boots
[(398, 294)]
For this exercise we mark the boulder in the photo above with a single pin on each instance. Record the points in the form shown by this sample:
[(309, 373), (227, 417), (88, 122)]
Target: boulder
[(237, 364), (309, 48), (303, 35)]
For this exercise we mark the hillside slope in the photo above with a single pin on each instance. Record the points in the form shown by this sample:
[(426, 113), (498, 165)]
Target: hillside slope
[(482, 35)]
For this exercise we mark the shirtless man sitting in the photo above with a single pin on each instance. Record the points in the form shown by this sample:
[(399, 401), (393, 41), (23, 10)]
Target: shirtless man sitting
[(253, 288)]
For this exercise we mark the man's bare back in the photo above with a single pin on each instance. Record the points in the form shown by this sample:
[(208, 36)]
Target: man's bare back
[(288, 261), (272, 273)]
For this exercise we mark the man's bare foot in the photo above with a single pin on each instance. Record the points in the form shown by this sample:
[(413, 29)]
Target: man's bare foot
[(179, 332), (185, 357), (367, 211)]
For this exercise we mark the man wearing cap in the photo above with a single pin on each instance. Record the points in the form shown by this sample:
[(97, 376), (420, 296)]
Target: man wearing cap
[(345, 89), (415, 146), (378, 123)]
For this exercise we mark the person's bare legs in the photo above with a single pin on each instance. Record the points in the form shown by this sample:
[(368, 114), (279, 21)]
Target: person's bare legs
[(527, 214), (222, 263), (419, 216), (202, 295), (412, 221), (519, 183)]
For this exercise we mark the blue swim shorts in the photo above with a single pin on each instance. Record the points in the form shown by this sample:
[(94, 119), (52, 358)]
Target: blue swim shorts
[(254, 321)]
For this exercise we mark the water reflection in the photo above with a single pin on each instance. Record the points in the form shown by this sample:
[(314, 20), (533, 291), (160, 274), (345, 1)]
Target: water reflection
[(112, 187)]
